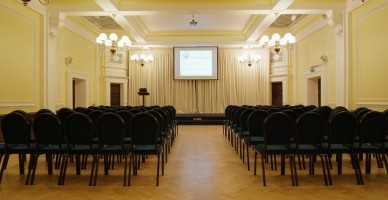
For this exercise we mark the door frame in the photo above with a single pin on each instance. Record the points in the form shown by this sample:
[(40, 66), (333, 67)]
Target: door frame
[(123, 90), (284, 80), (83, 90), (310, 84)]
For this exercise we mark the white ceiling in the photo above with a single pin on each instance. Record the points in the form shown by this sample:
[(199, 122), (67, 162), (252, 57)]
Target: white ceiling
[(166, 22)]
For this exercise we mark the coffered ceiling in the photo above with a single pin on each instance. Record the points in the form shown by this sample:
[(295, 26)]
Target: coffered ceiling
[(167, 22)]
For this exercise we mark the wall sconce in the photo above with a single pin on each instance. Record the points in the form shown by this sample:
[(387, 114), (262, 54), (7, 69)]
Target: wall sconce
[(324, 58), (68, 60)]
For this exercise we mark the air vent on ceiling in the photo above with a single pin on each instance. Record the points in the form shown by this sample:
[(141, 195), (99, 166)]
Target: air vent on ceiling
[(286, 21), (104, 22)]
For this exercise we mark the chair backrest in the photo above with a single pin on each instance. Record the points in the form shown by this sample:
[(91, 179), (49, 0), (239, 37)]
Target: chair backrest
[(309, 128), (135, 111), (65, 114), (43, 110), (159, 117), (237, 116), (342, 127), (145, 129), (47, 129), (110, 129), (244, 118), (164, 115), (277, 129), (373, 128), (256, 121), (25, 114), (61, 110), (16, 129), (94, 115), (126, 116), (78, 129), (360, 114)]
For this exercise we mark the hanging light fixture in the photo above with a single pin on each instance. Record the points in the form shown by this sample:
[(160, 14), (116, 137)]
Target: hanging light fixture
[(113, 43), (276, 42), (193, 22), (142, 59), (43, 2), (249, 60)]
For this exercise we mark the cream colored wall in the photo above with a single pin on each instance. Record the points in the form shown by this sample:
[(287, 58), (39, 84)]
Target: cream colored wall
[(21, 65), (83, 66), (368, 55), (308, 53)]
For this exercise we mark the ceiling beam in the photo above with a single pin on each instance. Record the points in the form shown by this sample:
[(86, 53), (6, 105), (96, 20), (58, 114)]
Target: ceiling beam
[(261, 26), (109, 6)]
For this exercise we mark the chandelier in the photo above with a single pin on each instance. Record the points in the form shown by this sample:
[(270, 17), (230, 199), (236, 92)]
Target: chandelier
[(276, 42), (142, 59), (113, 44), (43, 2), (249, 60)]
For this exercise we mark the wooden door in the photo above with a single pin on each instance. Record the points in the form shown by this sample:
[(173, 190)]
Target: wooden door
[(277, 93), (115, 94)]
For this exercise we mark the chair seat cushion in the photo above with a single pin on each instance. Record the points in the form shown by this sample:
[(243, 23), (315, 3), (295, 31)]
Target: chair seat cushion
[(272, 149), (253, 140)]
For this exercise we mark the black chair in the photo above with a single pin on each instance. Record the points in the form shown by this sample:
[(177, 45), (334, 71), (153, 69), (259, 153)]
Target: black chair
[(78, 129), (309, 132), (165, 137), (373, 130), (16, 129), (277, 129), (225, 122), (342, 129), (126, 116), (244, 132), (145, 133), (237, 127), (49, 140), (255, 129), (111, 131)]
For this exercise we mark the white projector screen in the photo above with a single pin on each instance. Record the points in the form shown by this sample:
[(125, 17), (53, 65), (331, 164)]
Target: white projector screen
[(195, 63)]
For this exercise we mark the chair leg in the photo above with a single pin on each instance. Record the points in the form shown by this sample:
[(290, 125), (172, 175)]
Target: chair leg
[(130, 168), (125, 169), (323, 169), (21, 163), (263, 169), (157, 171), (384, 158), (328, 167), (3, 166), (64, 169), (294, 178), (162, 166), (249, 167), (77, 164), (49, 160), (282, 164), (94, 171), (254, 171), (31, 166)]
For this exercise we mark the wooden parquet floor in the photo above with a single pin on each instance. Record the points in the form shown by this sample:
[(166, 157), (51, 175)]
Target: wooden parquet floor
[(202, 165)]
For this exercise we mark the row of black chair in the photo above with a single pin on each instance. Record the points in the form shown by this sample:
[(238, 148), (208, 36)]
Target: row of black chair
[(299, 130), (111, 133)]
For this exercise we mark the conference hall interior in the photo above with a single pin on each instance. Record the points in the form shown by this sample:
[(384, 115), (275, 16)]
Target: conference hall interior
[(193, 99)]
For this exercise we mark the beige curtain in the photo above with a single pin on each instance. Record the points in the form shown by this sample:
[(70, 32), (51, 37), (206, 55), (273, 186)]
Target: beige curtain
[(237, 83)]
